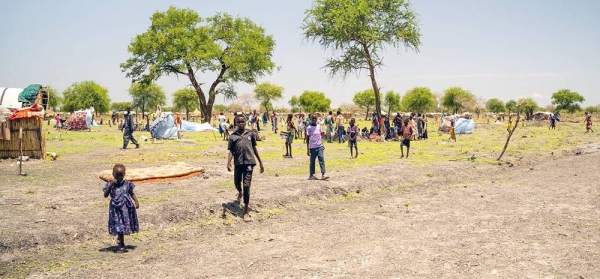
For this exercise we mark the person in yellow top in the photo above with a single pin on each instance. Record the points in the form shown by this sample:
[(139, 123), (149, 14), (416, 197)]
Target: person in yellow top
[(339, 122), (452, 133), (510, 124)]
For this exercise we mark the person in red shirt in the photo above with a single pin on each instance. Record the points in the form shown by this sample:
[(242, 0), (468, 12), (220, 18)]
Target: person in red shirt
[(407, 134)]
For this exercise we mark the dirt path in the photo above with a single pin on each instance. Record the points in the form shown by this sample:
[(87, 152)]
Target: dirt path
[(478, 223)]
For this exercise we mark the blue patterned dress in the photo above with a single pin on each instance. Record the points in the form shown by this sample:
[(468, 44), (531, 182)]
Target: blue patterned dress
[(122, 216)]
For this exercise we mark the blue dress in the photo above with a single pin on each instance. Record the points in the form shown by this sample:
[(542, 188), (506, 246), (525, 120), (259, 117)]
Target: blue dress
[(122, 215)]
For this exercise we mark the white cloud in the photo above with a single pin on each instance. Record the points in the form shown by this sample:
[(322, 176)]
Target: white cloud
[(537, 95)]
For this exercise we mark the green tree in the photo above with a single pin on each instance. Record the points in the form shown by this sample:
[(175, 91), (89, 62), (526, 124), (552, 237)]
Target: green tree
[(294, 102), (568, 100), (267, 92), (456, 99), (529, 107), (146, 97), (86, 94), (495, 105), (185, 99), (55, 99), (419, 100), (365, 99), (511, 106), (220, 107), (314, 101), (593, 109), (360, 30), (392, 101), (120, 106), (180, 42)]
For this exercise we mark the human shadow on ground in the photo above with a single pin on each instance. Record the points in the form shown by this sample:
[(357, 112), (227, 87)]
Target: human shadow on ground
[(114, 248), (233, 208)]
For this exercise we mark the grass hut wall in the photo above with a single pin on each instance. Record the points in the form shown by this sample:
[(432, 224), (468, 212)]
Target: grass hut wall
[(34, 139)]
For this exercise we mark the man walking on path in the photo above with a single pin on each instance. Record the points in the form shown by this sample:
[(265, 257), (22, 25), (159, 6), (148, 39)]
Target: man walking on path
[(128, 130), (314, 147), (339, 122)]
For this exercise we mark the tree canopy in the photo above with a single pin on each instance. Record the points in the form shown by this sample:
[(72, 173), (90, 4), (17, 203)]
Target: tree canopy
[(529, 107), (456, 99), (146, 97), (180, 42), (391, 101), (511, 106), (86, 94), (120, 106), (220, 108), (495, 105), (365, 99), (314, 101), (359, 31), (55, 99), (568, 100), (294, 102), (266, 92), (185, 99), (419, 100)]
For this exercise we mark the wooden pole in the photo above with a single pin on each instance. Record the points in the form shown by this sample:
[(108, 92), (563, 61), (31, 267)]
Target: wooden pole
[(513, 129), (21, 150)]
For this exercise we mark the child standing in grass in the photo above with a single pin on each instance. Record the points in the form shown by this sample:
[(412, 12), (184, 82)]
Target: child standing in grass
[(407, 134), (353, 132), (510, 124), (291, 129), (452, 133), (122, 214)]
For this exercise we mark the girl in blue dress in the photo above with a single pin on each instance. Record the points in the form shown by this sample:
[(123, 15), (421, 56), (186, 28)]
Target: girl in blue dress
[(122, 214)]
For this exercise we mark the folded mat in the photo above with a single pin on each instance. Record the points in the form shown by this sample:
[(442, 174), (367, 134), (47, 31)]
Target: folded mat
[(179, 170)]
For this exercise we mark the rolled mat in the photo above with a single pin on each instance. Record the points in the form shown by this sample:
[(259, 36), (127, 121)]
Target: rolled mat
[(174, 171)]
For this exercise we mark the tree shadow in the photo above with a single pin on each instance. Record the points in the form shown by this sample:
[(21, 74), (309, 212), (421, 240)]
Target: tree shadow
[(114, 248), (233, 208)]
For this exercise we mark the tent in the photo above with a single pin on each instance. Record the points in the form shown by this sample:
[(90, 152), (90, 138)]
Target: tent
[(81, 119), (9, 97), (464, 126), (164, 127)]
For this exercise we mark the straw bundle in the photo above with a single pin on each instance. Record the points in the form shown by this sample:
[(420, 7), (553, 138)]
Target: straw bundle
[(34, 140)]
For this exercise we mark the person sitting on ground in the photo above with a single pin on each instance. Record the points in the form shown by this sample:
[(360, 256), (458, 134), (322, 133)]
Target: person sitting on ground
[(242, 148), (122, 209)]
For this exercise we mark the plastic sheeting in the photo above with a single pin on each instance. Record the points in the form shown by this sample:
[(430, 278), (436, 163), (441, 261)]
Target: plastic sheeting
[(164, 126), (464, 126), (195, 127), (29, 94)]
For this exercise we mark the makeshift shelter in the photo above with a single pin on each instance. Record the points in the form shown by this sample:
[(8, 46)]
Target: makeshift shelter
[(164, 127), (30, 121), (81, 120), (461, 125)]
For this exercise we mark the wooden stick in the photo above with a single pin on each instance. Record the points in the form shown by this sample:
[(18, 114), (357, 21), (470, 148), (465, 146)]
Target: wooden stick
[(21, 150), (513, 129)]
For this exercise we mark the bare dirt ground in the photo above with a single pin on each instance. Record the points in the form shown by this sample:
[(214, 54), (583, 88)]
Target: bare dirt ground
[(537, 218)]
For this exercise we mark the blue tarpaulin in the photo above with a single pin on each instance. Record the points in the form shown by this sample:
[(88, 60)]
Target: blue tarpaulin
[(464, 126)]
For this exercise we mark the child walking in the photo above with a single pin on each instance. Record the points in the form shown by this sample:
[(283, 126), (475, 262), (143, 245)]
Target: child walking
[(122, 214), (407, 134), (353, 132), (291, 129), (242, 148)]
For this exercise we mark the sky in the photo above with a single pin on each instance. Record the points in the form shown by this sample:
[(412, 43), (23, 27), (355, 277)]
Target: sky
[(496, 49)]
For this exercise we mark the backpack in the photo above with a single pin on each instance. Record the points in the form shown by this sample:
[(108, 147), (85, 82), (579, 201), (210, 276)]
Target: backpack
[(328, 120)]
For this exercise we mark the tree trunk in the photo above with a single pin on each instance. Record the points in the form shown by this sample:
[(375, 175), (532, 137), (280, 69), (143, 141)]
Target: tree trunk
[(187, 114), (367, 116), (511, 131), (373, 81)]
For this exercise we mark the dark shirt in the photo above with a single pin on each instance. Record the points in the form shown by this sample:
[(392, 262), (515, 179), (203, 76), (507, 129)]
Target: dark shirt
[(241, 146), (128, 124), (398, 121)]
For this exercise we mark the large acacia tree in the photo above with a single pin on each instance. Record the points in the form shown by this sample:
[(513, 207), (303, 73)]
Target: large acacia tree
[(419, 100), (186, 99), (267, 92), (456, 99), (180, 42), (359, 31), (86, 94), (314, 101)]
